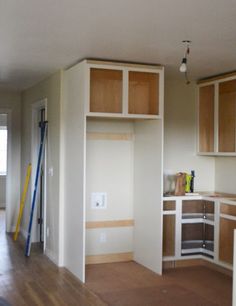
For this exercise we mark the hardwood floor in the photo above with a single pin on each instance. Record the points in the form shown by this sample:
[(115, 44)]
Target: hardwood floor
[(130, 284), (36, 280)]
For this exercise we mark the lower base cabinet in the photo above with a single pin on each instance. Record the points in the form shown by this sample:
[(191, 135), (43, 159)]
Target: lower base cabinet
[(169, 235), (226, 240), (199, 228)]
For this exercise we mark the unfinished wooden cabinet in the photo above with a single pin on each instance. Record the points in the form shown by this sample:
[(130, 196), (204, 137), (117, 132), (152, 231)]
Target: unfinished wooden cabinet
[(206, 118), (114, 210), (198, 228), (217, 116), (124, 90), (106, 90), (143, 93), (169, 228), (226, 237), (227, 116)]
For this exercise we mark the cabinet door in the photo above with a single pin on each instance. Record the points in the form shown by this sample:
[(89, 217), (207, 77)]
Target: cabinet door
[(206, 118), (169, 235), (227, 116), (143, 97), (227, 227), (106, 90)]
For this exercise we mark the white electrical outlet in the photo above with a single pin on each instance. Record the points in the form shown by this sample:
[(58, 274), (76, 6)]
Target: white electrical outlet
[(47, 231), (103, 237), (99, 200)]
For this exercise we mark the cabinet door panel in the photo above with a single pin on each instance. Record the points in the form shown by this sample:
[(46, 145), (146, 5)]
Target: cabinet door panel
[(206, 118), (169, 235), (143, 93), (227, 116), (226, 240)]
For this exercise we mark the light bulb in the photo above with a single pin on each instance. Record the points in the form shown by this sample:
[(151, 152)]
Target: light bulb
[(183, 66)]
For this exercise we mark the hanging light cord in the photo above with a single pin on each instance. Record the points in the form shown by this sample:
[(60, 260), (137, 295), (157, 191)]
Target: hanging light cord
[(184, 61)]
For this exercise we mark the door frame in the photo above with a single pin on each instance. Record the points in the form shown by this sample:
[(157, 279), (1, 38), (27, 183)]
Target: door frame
[(36, 107), (9, 209)]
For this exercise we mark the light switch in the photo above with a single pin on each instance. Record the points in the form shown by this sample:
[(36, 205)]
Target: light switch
[(50, 171), (99, 200)]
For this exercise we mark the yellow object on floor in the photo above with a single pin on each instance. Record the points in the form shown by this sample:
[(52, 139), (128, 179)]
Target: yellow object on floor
[(22, 202)]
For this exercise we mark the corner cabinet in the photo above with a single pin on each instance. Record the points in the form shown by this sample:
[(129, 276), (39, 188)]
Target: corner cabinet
[(116, 90), (112, 212), (217, 116)]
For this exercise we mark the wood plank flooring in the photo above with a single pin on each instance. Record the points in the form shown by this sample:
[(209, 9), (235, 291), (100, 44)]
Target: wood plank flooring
[(36, 280)]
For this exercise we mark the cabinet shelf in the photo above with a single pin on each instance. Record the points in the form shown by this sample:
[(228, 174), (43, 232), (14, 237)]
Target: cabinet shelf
[(196, 244), (198, 215)]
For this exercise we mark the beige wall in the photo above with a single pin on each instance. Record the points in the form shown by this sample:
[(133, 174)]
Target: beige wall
[(51, 90), (225, 180), (10, 103), (110, 169), (180, 136)]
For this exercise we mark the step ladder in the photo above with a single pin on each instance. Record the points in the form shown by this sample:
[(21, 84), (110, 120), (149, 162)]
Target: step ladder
[(22, 202), (43, 126)]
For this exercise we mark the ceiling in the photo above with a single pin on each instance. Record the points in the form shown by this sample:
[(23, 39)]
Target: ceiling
[(39, 37)]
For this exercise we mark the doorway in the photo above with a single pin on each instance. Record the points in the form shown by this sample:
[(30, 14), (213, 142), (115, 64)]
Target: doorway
[(3, 170), (39, 116)]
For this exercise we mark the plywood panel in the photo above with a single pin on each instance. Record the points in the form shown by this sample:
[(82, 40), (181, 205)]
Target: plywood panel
[(228, 209), (226, 240), (109, 136), (227, 116), (143, 93), (169, 235), (209, 232), (209, 207), (105, 91), (192, 231), (108, 258), (192, 206), (206, 118), (112, 223), (169, 205)]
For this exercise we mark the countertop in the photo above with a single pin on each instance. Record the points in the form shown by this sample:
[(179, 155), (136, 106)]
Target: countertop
[(213, 196)]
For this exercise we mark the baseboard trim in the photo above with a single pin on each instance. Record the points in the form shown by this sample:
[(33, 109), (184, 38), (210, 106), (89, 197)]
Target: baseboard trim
[(109, 258), (52, 256)]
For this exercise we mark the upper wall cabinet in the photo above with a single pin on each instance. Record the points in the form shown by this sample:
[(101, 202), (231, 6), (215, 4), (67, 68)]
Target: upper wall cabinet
[(124, 90), (217, 116)]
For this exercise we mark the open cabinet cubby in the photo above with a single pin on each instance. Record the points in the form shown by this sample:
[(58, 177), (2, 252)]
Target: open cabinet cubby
[(119, 155), (106, 90), (217, 116), (197, 228)]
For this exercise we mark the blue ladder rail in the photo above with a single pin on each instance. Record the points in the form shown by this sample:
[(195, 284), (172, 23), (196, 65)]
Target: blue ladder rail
[(41, 147)]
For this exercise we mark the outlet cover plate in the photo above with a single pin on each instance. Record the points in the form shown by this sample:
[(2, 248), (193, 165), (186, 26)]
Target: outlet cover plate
[(99, 200)]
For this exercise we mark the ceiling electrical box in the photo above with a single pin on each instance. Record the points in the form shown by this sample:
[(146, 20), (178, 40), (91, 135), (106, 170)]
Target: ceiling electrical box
[(99, 200)]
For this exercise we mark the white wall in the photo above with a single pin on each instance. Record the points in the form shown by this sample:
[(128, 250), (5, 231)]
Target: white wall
[(2, 191), (10, 102), (180, 136), (50, 89), (225, 178)]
